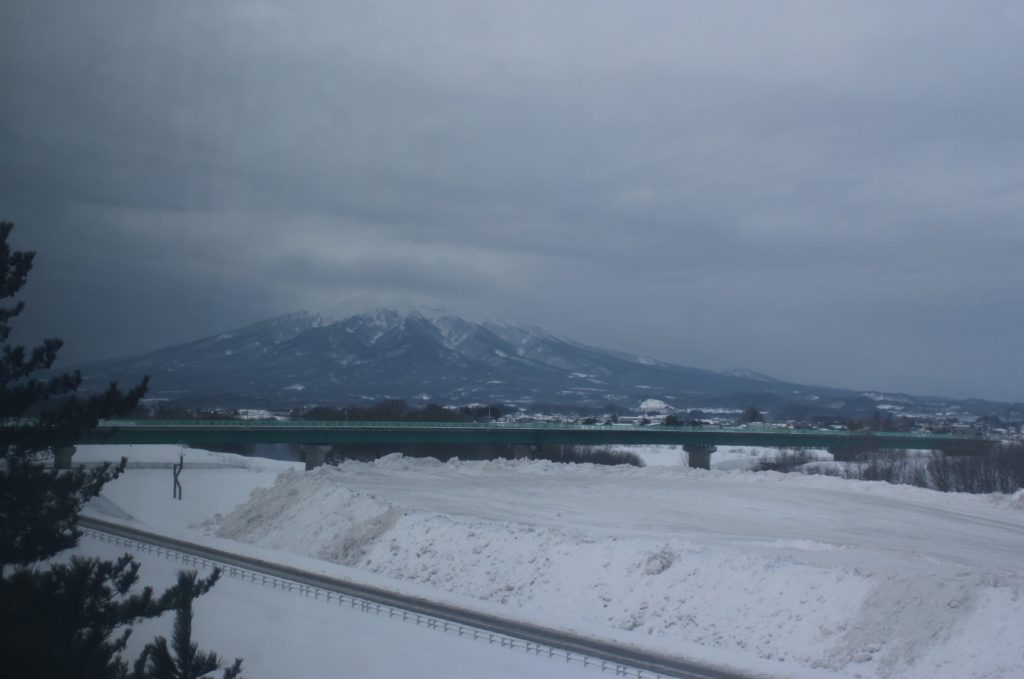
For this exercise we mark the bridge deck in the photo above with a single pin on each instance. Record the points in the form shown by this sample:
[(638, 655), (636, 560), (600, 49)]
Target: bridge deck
[(195, 432)]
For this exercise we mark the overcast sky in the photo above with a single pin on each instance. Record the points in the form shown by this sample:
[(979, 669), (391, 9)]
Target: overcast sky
[(826, 192)]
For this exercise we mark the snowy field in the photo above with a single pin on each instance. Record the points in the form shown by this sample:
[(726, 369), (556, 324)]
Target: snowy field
[(776, 575)]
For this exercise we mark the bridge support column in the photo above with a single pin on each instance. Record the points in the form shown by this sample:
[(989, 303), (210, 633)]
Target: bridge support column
[(315, 455), (699, 457), (62, 456)]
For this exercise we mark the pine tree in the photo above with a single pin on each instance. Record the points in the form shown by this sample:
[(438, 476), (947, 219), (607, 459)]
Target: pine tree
[(182, 659), (60, 621), (38, 510), (68, 619)]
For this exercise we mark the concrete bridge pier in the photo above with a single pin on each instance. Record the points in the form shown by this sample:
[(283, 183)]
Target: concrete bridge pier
[(315, 455), (699, 457), (62, 456)]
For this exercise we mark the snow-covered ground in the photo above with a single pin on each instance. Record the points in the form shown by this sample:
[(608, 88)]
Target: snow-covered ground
[(786, 575)]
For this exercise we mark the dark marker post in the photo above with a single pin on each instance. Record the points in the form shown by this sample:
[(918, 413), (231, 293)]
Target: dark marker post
[(177, 472)]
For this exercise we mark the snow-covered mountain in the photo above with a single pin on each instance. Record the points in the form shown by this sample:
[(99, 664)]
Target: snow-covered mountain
[(429, 355), (749, 374)]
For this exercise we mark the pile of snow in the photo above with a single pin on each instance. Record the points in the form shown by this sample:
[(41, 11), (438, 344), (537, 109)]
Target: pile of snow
[(787, 574)]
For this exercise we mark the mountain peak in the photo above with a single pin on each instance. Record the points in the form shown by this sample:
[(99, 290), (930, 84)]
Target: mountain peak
[(390, 314)]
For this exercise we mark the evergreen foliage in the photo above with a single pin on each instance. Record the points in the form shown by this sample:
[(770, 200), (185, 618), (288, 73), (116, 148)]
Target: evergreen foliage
[(38, 509), (182, 659), (60, 621), (751, 414), (67, 619)]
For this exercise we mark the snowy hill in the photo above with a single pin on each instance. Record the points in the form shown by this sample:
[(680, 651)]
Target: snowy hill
[(423, 355)]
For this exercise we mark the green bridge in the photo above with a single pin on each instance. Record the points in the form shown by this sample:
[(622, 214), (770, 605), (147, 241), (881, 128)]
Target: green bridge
[(699, 442)]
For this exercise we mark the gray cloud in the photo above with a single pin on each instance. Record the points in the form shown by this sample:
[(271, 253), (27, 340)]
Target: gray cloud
[(828, 193)]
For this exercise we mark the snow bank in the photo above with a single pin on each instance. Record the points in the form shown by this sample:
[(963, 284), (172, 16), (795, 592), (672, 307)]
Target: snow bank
[(774, 572)]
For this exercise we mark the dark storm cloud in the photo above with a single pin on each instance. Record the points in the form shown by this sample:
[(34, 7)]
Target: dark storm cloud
[(826, 192)]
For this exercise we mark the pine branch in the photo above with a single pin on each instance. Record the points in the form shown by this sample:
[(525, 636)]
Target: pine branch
[(235, 671)]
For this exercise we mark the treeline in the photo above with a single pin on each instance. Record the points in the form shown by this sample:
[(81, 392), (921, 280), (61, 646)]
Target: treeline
[(397, 410), (388, 410), (168, 411), (999, 469), (367, 452), (443, 451)]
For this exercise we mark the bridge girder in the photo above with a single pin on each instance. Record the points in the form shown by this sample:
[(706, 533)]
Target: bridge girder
[(198, 433)]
